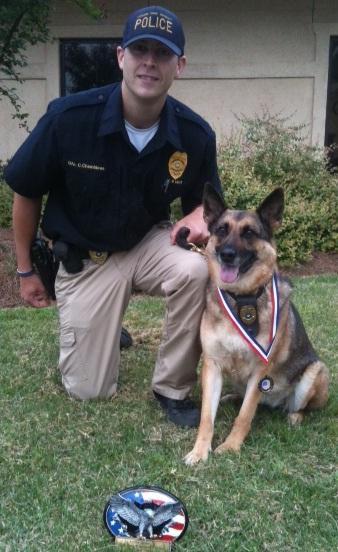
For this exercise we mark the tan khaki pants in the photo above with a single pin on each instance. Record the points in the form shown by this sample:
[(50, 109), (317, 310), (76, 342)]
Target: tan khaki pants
[(92, 304)]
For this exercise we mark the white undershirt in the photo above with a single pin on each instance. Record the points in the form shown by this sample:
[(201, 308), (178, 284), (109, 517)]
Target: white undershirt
[(140, 137)]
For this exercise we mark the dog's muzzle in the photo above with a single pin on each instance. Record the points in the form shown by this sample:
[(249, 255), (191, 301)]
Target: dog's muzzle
[(234, 263)]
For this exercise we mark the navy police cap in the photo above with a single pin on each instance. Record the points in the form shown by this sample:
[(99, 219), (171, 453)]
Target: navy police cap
[(156, 23)]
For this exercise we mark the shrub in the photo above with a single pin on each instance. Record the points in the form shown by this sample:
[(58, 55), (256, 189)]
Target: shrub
[(268, 152), (6, 199)]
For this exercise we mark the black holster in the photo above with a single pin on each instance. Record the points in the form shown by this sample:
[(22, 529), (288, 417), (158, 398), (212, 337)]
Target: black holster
[(70, 256), (45, 264)]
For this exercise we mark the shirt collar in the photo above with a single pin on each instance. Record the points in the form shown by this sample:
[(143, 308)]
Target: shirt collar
[(112, 121)]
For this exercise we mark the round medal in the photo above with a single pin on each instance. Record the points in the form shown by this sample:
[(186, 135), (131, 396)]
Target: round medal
[(266, 384)]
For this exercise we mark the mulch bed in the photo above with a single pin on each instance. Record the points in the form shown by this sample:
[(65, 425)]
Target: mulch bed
[(321, 263), (9, 283)]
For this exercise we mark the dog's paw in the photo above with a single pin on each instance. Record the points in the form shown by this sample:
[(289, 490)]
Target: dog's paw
[(195, 455), (229, 445), (295, 418)]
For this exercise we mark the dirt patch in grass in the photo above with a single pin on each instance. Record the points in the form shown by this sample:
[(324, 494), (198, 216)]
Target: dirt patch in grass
[(321, 263)]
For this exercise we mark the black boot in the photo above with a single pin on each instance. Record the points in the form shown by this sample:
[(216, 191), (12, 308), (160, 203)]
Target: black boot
[(181, 412), (126, 340)]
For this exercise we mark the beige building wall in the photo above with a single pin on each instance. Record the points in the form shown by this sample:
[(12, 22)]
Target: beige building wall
[(243, 56)]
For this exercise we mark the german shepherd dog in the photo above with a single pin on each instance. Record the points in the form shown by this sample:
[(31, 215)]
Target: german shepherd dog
[(250, 331)]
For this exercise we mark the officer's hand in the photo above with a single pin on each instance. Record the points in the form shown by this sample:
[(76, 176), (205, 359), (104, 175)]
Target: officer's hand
[(198, 228), (33, 292)]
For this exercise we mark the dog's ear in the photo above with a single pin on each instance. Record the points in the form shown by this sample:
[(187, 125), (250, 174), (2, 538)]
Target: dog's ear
[(213, 204), (271, 210)]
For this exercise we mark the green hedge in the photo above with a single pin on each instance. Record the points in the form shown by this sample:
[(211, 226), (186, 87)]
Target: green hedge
[(6, 200), (268, 152)]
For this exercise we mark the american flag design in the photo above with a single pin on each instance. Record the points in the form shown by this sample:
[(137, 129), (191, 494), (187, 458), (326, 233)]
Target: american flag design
[(152, 498)]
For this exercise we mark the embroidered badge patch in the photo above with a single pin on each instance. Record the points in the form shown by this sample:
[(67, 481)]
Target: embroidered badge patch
[(85, 166), (177, 164)]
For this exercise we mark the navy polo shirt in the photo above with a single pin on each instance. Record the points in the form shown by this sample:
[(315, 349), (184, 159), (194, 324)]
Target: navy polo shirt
[(102, 193)]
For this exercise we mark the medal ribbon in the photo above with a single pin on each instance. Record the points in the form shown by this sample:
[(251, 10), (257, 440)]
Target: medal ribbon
[(262, 353)]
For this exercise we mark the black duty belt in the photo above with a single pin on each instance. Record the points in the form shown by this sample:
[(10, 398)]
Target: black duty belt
[(72, 256)]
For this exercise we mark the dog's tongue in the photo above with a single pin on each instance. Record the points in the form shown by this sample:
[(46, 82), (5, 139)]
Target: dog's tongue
[(229, 274)]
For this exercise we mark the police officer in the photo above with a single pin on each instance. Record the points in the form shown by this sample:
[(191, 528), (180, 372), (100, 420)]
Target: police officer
[(111, 161)]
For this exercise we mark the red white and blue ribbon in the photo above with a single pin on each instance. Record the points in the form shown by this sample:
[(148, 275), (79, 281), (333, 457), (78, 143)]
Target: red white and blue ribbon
[(262, 353)]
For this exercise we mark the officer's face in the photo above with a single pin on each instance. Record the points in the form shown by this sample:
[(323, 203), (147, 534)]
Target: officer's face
[(149, 68)]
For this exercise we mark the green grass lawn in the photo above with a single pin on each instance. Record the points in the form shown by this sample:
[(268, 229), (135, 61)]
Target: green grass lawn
[(61, 459)]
